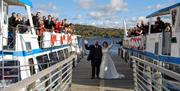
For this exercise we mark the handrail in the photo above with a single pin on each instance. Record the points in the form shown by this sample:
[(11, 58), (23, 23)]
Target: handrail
[(149, 76), (28, 81), (161, 69)]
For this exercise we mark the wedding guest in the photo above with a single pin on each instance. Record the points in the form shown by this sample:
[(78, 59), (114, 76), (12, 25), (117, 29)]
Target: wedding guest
[(36, 19), (41, 30), (12, 20), (57, 26), (18, 19), (49, 23), (159, 25)]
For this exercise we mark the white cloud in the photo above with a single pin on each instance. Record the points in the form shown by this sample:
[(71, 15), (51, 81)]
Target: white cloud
[(133, 21), (47, 9), (117, 5), (93, 24), (106, 13), (78, 17), (97, 15), (159, 6), (85, 4)]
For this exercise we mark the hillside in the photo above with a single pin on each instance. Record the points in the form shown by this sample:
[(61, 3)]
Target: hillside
[(92, 31)]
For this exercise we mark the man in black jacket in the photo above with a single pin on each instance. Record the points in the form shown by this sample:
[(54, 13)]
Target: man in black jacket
[(95, 55), (49, 23)]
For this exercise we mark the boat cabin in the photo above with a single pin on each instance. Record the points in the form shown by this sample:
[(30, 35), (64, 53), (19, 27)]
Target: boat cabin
[(5, 28), (161, 41), (21, 55), (166, 42)]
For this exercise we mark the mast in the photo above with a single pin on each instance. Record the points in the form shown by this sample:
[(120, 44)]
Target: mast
[(125, 29)]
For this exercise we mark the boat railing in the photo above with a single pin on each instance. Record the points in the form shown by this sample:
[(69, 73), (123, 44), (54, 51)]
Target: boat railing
[(12, 35), (136, 42), (43, 42), (56, 77), (153, 76), (10, 72)]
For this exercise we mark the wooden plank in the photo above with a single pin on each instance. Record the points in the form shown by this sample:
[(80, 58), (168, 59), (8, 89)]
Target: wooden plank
[(82, 75)]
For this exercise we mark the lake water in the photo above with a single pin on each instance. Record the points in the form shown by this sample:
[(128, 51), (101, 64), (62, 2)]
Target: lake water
[(114, 49)]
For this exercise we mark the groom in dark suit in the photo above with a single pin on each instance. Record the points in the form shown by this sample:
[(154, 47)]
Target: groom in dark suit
[(95, 56)]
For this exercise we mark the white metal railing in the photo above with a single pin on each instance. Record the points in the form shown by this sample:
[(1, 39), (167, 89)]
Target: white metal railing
[(55, 78), (150, 76)]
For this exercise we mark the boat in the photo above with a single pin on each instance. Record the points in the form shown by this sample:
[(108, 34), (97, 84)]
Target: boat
[(27, 57), (160, 48)]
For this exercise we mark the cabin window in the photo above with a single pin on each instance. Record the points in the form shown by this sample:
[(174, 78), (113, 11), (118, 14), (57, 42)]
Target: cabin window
[(28, 46), (43, 62), (174, 13), (31, 66), (173, 40), (10, 70), (61, 55), (66, 52), (53, 58), (156, 48)]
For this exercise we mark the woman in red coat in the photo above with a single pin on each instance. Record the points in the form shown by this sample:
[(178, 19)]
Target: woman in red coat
[(57, 26)]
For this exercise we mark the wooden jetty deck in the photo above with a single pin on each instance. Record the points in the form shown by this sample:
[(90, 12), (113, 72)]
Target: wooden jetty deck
[(82, 75)]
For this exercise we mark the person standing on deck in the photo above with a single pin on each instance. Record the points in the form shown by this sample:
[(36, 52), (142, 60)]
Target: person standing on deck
[(49, 23), (95, 56)]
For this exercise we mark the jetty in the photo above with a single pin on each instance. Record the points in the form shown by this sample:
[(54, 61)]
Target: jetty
[(81, 77)]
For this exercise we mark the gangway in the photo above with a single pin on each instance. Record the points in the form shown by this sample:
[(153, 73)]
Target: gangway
[(55, 78), (144, 75)]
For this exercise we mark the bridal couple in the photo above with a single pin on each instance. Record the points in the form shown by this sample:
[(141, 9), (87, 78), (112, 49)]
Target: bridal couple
[(101, 61)]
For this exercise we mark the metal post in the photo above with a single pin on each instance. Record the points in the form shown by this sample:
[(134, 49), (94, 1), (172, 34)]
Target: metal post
[(71, 77), (159, 77), (50, 80), (60, 80), (135, 74), (149, 82), (30, 19)]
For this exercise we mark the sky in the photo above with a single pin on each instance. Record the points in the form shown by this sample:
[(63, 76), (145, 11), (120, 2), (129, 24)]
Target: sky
[(101, 13)]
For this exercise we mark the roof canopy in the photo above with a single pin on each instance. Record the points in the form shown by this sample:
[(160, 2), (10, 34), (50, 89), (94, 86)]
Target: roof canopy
[(19, 2), (164, 11)]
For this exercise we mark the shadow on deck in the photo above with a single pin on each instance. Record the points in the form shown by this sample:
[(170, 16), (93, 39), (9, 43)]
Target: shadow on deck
[(82, 75)]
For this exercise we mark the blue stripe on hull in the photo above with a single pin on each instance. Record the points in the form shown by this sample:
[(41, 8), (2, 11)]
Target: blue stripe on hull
[(164, 58), (32, 52)]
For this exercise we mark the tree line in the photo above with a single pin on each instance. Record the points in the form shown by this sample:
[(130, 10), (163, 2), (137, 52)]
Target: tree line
[(92, 31)]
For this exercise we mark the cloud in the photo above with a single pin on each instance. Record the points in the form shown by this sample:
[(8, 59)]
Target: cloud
[(47, 9), (97, 15), (133, 21), (106, 13), (78, 17), (109, 11), (159, 6), (85, 4), (117, 5)]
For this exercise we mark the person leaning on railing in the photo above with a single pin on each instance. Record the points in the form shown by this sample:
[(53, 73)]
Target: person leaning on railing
[(49, 24), (41, 29), (159, 25), (168, 27), (12, 20), (57, 26), (36, 19)]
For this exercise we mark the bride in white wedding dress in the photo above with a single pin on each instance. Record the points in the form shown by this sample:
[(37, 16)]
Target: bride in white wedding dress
[(107, 68)]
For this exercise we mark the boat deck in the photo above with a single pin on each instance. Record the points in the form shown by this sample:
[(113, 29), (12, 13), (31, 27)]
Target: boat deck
[(82, 75)]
